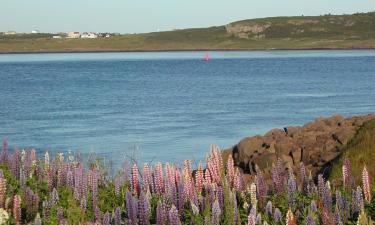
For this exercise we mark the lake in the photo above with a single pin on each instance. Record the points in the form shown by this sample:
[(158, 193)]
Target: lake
[(171, 106)]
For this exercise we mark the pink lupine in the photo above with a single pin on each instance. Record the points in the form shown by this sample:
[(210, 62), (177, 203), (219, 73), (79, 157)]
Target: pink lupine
[(147, 178), (346, 172), (158, 178), (230, 170), (170, 173), (187, 186), (135, 181), (177, 176), (366, 184), (207, 177), (17, 209), (251, 219), (117, 184), (199, 178), (3, 190), (187, 166), (237, 179)]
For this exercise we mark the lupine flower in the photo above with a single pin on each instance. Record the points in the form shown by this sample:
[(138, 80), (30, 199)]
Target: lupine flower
[(161, 213), (292, 187), (237, 179), (290, 220), (3, 190), (135, 181), (230, 170), (117, 216), (94, 188), (251, 219), (359, 196), (277, 215), (199, 178), (336, 217), (303, 178), (253, 195), (346, 171), (144, 209), (117, 184), (106, 218), (216, 212), (125, 170), (54, 196), (174, 218), (258, 219), (4, 216), (158, 178), (366, 184), (261, 184), (327, 198), (147, 179), (310, 220), (38, 220), (17, 209), (207, 178), (83, 203), (313, 207), (277, 176), (326, 217), (269, 209), (194, 208), (187, 167), (98, 214), (131, 208)]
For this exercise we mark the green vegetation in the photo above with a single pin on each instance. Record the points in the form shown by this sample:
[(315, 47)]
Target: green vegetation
[(312, 32), (360, 151)]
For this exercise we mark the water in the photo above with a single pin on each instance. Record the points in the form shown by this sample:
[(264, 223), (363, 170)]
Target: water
[(172, 106)]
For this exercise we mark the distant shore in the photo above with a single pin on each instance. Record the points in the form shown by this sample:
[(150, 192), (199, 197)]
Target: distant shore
[(181, 50)]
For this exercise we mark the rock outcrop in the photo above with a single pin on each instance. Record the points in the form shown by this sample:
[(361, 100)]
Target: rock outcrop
[(315, 144)]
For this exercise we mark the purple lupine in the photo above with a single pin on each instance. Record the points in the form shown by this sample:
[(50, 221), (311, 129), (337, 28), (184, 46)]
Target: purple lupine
[(310, 220), (261, 184), (327, 198), (313, 206), (277, 215), (277, 176), (216, 212), (258, 219), (161, 213), (303, 178), (321, 186), (220, 196), (94, 188), (117, 184), (143, 209), (336, 217), (292, 188), (106, 218), (173, 217), (269, 209), (54, 196), (131, 208), (117, 216), (97, 214), (360, 198)]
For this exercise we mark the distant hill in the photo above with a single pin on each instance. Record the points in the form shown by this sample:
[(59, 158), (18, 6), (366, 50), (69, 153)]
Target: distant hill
[(300, 32)]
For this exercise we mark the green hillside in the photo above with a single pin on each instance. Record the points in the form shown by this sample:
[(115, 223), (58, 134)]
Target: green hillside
[(302, 32)]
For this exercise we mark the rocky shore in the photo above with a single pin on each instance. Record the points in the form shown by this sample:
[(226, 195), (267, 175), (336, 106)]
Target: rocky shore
[(316, 144)]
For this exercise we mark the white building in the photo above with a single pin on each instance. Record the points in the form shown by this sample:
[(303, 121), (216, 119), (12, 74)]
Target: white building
[(56, 37), (74, 35), (35, 32), (89, 35)]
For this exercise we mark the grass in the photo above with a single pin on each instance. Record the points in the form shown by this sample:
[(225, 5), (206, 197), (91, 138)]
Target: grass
[(360, 151), (318, 32)]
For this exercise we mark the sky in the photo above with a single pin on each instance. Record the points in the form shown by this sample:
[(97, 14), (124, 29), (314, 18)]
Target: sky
[(137, 16)]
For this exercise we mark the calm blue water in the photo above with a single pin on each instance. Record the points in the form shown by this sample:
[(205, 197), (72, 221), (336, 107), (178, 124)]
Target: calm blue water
[(172, 106)]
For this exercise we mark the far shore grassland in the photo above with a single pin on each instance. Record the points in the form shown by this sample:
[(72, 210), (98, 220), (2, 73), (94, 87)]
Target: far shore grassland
[(355, 31)]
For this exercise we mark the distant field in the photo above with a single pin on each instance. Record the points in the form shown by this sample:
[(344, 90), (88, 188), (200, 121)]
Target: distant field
[(319, 32)]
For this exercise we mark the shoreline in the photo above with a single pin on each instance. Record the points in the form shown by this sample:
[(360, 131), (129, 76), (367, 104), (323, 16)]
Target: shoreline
[(182, 50)]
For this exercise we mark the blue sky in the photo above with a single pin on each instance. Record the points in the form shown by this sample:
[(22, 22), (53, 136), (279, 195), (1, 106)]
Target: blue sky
[(128, 16)]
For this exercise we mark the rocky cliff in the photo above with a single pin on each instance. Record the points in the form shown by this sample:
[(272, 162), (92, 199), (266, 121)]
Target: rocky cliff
[(315, 144)]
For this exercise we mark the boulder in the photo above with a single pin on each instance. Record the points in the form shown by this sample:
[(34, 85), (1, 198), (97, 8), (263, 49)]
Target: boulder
[(315, 144)]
